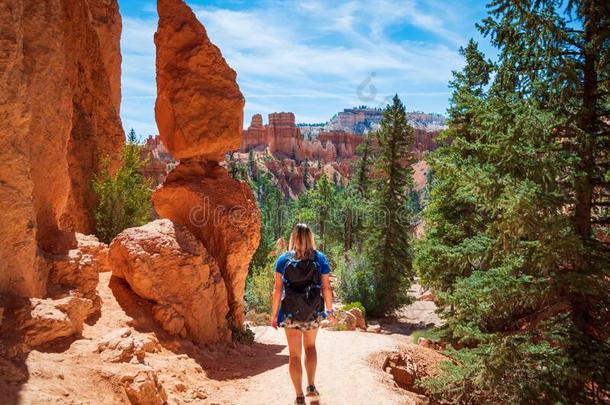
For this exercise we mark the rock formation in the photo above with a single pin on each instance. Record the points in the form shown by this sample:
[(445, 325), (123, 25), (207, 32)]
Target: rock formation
[(199, 106), (158, 162), (107, 22), (284, 140), (58, 118), (411, 364), (165, 263), (222, 213), (199, 115), (47, 320), (344, 142), (363, 119)]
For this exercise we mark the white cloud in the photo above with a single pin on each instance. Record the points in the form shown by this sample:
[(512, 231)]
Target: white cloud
[(309, 58)]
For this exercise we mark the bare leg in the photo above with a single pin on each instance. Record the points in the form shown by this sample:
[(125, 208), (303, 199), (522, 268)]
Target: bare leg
[(311, 356), (294, 337)]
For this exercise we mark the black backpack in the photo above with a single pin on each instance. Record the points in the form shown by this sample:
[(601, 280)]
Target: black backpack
[(302, 284)]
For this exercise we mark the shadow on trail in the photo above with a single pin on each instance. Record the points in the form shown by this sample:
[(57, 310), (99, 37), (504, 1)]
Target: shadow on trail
[(220, 361), (402, 326)]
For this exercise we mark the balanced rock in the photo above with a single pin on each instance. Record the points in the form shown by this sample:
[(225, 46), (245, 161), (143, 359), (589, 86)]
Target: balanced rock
[(199, 108), (164, 262), (219, 211)]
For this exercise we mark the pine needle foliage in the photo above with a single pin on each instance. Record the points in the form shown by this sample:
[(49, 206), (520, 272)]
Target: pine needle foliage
[(123, 198), (389, 221), (513, 240)]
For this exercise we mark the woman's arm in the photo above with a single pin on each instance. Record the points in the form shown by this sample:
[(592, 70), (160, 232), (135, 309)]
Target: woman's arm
[(327, 293), (277, 297)]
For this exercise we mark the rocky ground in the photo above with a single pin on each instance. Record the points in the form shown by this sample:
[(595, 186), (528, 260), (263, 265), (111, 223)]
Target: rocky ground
[(124, 357)]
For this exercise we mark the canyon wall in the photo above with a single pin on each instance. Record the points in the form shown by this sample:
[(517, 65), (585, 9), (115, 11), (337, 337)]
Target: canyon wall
[(284, 140), (344, 142), (59, 97)]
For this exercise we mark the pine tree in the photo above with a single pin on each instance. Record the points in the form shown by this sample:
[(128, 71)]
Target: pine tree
[(252, 168), (510, 241), (388, 239), (362, 172), (324, 199), (124, 198), (451, 215), (306, 174)]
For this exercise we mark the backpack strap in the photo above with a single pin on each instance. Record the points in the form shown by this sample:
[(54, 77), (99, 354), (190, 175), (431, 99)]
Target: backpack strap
[(289, 260)]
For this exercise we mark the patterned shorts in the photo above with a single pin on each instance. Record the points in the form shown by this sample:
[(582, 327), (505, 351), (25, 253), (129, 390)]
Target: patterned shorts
[(301, 325)]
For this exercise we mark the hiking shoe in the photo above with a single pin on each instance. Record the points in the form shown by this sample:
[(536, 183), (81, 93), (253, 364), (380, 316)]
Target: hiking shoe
[(312, 394), (300, 400)]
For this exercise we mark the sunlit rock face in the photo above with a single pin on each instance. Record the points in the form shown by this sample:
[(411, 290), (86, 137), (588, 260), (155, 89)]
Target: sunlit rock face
[(345, 143), (199, 108), (219, 211), (164, 262), (59, 98), (284, 139), (199, 112)]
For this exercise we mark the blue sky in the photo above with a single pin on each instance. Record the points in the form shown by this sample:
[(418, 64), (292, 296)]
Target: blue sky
[(313, 58)]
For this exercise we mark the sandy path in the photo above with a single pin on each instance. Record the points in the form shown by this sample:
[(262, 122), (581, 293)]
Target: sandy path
[(343, 376), (72, 372)]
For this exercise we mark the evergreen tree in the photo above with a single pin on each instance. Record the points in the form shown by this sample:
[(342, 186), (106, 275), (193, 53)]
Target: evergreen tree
[(336, 181), (236, 169), (388, 249), (362, 172), (252, 168), (306, 174), (124, 198), (414, 202), (518, 195), (323, 199)]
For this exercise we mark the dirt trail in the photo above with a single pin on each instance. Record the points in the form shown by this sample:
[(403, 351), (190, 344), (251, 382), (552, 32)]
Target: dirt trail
[(72, 372), (344, 374)]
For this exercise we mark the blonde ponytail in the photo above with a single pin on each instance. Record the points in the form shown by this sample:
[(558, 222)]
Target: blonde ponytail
[(302, 242)]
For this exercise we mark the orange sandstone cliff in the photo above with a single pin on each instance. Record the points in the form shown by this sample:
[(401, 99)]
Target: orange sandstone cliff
[(59, 102), (284, 140)]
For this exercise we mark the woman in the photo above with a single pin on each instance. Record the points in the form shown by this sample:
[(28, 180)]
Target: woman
[(302, 289)]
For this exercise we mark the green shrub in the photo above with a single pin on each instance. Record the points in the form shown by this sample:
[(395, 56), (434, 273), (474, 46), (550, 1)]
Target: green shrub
[(355, 282), (123, 199), (355, 304), (433, 334), (259, 288)]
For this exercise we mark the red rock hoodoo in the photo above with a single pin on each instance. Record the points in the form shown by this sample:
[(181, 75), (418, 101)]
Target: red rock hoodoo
[(199, 112), (222, 213), (199, 108), (158, 161), (59, 101), (284, 140)]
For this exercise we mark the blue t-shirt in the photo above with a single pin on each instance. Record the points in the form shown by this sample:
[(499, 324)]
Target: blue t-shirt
[(282, 261)]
